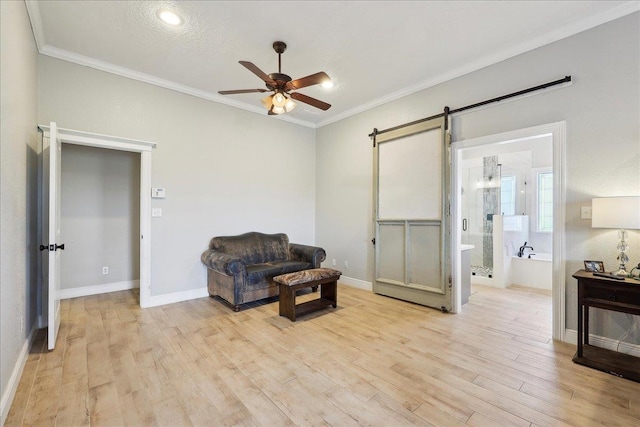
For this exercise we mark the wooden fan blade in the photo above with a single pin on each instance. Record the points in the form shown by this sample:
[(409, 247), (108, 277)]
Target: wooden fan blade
[(258, 72), (310, 80), (311, 101), (231, 92)]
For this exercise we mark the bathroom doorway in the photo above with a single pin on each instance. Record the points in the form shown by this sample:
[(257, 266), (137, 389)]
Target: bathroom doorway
[(508, 203)]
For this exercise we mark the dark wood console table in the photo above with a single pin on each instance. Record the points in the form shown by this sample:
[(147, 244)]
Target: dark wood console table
[(608, 294)]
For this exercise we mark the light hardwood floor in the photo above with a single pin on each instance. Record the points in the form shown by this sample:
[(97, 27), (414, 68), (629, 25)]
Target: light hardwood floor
[(372, 361)]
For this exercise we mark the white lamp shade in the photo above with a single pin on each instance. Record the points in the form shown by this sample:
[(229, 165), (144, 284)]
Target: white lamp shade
[(616, 212), (277, 110), (289, 105), (279, 99)]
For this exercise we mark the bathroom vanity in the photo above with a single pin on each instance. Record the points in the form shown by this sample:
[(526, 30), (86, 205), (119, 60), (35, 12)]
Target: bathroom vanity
[(465, 266)]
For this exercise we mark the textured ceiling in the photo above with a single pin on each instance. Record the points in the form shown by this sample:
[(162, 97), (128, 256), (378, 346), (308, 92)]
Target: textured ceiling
[(374, 51)]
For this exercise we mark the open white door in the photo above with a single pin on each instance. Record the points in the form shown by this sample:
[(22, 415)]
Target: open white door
[(53, 150)]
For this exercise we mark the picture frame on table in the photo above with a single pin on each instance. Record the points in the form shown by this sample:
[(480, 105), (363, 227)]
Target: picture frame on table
[(594, 266)]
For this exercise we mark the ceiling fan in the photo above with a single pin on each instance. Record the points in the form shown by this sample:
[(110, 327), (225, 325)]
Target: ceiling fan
[(283, 86)]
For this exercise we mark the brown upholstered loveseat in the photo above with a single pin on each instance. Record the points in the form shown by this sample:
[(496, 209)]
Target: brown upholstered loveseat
[(240, 269)]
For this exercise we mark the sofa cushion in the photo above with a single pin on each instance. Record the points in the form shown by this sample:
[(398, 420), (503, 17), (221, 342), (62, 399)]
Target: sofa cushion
[(253, 247), (258, 273), (291, 266)]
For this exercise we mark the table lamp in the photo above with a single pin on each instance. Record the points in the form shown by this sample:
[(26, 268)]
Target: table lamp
[(622, 213)]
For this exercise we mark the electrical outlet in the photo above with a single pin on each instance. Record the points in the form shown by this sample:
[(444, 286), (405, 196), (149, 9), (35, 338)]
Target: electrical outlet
[(333, 262), (105, 270), (346, 264)]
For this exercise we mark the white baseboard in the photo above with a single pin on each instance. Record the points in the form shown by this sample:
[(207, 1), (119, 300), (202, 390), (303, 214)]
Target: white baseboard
[(165, 299), (99, 289), (156, 300), (14, 380), (571, 336), (355, 283)]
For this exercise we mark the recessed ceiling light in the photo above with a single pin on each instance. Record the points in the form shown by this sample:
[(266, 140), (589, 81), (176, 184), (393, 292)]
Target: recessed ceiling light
[(169, 17), (328, 84)]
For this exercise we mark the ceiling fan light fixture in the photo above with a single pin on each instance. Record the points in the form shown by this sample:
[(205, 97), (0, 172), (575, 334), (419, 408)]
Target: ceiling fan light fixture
[(277, 110), (267, 102), (279, 100), (289, 105), (169, 17), (328, 84)]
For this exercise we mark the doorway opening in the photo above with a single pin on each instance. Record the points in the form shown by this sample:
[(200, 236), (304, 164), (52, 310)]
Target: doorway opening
[(100, 211), (49, 223), (508, 206)]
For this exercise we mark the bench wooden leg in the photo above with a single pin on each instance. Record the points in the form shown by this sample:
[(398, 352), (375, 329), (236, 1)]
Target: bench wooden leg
[(330, 291), (287, 302)]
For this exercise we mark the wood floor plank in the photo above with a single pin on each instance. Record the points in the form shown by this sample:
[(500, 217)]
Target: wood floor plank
[(73, 407), (372, 361), (137, 409), (104, 405)]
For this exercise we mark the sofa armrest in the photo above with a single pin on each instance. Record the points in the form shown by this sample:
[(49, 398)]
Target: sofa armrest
[(223, 263), (310, 254)]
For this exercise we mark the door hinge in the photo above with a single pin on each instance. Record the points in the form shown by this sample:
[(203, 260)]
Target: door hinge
[(373, 240), (450, 280)]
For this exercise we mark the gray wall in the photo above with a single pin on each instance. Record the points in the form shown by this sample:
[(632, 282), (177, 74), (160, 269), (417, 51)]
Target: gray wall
[(18, 185), (100, 216), (601, 109), (225, 170)]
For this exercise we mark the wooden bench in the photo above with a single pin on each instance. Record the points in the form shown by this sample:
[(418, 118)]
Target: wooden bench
[(326, 278)]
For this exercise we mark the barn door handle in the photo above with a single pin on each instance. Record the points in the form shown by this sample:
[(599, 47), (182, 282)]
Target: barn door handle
[(464, 224), (44, 248), (59, 247)]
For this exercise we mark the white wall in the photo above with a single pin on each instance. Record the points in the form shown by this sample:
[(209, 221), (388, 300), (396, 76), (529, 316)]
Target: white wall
[(100, 216), (225, 171), (601, 109), (18, 195)]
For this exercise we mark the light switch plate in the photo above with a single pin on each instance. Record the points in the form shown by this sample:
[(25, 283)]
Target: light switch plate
[(158, 193), (585, 212), (156, 212)]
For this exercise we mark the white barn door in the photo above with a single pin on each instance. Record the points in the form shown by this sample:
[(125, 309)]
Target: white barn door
[(411, 215)]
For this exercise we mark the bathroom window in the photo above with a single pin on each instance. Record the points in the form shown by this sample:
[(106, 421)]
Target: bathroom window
[(545, 202), (508, 195)]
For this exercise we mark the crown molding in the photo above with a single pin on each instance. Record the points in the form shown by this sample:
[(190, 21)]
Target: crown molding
[(33, 10), (86, 61)]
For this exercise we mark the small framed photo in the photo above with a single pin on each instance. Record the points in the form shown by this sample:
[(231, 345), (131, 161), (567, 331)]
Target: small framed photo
[(594, 266)]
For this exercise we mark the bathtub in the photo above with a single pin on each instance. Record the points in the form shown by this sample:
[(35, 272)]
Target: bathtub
[(534, 272)]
